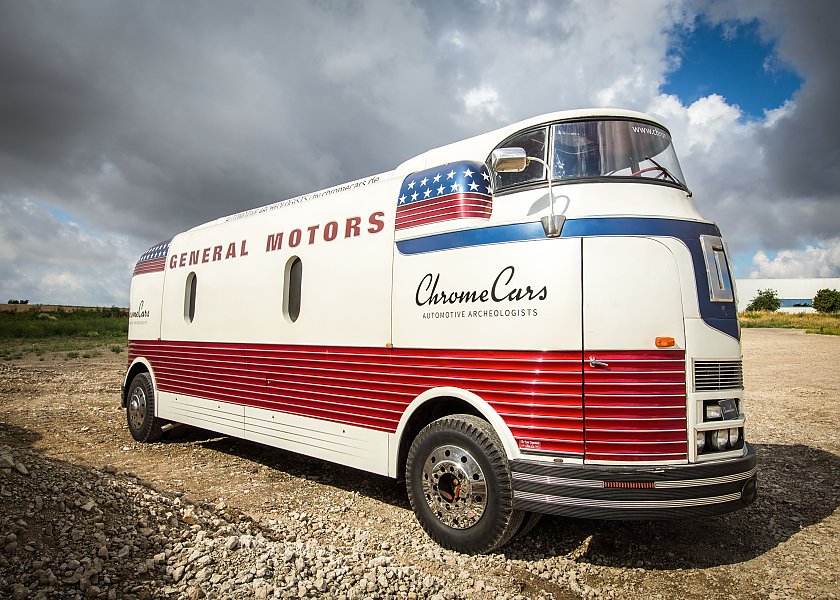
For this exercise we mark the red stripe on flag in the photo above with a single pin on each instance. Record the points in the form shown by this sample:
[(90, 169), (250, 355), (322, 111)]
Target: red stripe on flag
[(150, 266), (443, 208), (422, 218)]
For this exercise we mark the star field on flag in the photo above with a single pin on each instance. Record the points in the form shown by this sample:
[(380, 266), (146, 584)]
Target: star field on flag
[(452, 191), (153, 259)]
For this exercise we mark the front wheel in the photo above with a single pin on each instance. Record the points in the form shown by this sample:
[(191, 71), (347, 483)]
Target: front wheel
[(459, 485), (140, 410)]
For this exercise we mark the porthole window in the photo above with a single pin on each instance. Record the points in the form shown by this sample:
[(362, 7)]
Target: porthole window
[(291, 288), (189, 298)]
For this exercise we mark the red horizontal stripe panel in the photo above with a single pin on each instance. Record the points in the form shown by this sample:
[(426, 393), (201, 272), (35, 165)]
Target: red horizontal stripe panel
[(634, 410), (635, 407), (538, 394)]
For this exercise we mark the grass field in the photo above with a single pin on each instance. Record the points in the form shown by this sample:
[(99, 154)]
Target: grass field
[(104, 322), (828, 324), (76, 334)]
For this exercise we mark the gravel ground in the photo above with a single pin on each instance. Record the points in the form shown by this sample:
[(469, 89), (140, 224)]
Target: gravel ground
[(86, 512)]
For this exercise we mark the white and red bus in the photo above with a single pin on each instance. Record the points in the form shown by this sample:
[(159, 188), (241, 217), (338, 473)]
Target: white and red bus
[(535, 320)]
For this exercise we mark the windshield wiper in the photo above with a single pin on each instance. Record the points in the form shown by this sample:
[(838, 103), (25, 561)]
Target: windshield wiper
[(668, 173)]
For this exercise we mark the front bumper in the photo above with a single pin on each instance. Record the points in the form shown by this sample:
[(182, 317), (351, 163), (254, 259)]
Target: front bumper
[(644, 492)]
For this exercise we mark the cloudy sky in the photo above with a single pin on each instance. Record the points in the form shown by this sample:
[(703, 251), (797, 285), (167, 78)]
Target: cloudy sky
[(122, 123)]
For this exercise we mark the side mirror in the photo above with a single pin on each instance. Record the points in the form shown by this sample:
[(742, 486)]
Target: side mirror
[(509, 160)]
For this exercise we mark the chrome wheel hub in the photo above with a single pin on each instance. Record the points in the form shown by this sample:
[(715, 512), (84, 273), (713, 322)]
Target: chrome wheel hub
[(137, 408), (454, 486)]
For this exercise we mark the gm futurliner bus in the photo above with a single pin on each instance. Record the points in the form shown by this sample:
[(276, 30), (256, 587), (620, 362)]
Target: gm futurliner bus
[(535, 320)]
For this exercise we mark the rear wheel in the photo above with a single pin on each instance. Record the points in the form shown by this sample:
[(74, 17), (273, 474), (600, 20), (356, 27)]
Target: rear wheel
[(140, 410), (459, 485), (528, 523)]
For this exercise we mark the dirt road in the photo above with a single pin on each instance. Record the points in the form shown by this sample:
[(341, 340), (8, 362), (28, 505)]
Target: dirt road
[(62, 418)]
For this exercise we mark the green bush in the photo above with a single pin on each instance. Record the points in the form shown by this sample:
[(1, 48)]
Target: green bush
[(827, 301), (765, 300)]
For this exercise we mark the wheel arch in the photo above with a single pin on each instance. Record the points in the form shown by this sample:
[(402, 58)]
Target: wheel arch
[(139, 365), (442, 402)]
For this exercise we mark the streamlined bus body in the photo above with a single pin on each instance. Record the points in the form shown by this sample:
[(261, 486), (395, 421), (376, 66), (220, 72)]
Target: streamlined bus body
[(513, 343)]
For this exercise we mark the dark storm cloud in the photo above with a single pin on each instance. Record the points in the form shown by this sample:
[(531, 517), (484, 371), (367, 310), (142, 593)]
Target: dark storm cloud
[(152, 117), (799, 150), (804, 146), (148, 118)]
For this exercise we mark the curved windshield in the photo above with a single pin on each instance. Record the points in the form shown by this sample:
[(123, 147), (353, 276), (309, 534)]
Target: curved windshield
[(619, 148)]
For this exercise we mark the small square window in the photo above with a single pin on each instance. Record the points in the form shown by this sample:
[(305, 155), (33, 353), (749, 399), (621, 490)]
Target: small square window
[(717, 269)]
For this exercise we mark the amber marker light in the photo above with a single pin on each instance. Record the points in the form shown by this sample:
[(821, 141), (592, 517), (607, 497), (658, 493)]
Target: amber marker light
[(665, 342), (630, 485)]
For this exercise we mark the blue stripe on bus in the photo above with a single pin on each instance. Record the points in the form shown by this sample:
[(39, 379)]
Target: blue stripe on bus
[(677, 228), (520, 232), (719, 315), (465, 238)]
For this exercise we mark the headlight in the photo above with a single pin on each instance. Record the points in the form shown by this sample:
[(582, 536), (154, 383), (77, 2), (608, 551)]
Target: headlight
[(734, 437), (700, 436), (713, 412), (719, 439)]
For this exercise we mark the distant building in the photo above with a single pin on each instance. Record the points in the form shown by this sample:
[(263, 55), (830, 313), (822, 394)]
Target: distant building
[(796, 295)]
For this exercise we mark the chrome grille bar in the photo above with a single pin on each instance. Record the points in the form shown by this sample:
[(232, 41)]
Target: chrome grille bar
[(713, 375)]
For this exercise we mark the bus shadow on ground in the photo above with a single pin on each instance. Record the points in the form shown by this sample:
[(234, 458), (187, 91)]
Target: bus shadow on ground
[(17, 437), (798, 486), (376, 487)]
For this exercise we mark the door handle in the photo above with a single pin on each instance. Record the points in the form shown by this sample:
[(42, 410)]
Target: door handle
[(597, 364)]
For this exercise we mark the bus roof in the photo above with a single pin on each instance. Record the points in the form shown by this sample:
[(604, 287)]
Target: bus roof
[(475, 148), (479, 147)]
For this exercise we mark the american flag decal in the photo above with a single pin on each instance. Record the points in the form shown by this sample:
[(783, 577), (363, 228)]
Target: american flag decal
[(153, 259), (453, 191)]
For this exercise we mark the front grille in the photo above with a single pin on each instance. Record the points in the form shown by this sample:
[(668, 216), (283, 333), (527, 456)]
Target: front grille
[(635, 407), (713, 375)]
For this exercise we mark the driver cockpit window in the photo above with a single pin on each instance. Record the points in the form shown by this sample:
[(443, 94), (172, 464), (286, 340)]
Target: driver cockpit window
[(597, 150), (533, 142)]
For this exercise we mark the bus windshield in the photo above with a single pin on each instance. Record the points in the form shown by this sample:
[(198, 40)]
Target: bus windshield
[(618, 148)]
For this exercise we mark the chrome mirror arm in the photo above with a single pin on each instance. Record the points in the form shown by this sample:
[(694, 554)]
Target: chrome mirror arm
[(553, 223), (514, 160)]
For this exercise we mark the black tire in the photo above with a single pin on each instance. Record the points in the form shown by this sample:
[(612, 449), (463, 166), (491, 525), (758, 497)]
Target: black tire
[(447, 455), (140, 410), (528, 523)]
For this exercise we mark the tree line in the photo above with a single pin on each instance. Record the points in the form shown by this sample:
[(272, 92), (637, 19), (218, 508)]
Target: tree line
[(825, 301)]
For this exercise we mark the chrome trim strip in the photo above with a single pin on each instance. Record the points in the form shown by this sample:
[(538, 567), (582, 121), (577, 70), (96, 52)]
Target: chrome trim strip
[(593, 483), (708, 481), (713, 425), (621, 504), (549, 480)]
